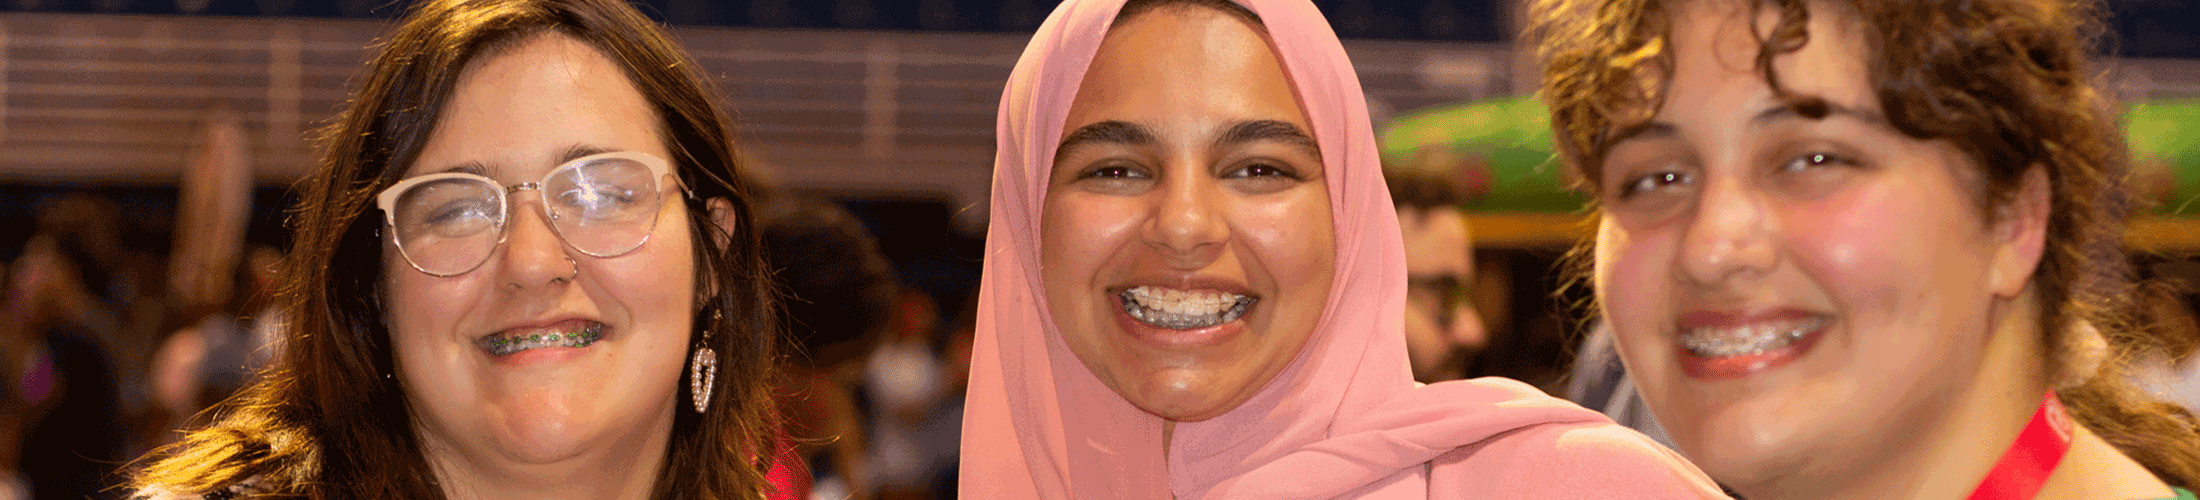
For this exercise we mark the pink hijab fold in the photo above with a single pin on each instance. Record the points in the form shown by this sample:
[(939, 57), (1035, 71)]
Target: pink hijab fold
[(1345, 419)]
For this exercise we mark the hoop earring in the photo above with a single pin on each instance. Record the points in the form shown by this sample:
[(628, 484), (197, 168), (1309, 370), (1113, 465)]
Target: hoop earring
[(703, 370)]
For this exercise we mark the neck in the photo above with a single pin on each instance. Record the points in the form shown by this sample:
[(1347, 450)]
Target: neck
[(1168, 430), (626, 470), (2095, 469)]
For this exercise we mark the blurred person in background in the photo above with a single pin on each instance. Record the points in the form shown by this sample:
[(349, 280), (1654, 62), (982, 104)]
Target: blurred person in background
[(1868, 249), (1195, 287), (839, 297), (915, 403), (64, 407), (209, 355), (1442, 326), (213, 202), (510, 278)]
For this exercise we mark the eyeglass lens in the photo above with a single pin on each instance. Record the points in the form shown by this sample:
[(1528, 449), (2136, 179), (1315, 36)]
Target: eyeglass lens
[(1450, 294), (606, 207)]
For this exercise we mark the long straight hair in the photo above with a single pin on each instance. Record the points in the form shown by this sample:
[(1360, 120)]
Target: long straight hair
[(327, 420)]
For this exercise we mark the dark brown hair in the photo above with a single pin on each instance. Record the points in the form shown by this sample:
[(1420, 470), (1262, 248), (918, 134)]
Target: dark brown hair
[(326, 420), (1422, 189), (2008, 83)]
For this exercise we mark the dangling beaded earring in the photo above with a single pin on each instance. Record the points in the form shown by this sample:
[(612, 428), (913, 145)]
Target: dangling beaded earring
[(703, 374)]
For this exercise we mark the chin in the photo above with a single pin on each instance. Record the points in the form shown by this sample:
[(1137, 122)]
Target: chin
[(546, 431), (1183, 397), (1749, 443)]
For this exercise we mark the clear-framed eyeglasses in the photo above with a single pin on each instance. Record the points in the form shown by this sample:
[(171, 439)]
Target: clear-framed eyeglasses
[(447, 224)]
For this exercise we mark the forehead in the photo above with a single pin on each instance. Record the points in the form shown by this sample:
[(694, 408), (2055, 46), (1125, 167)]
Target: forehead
[(1715, 46), (1714, 80), (1171, 63), (515, 111)]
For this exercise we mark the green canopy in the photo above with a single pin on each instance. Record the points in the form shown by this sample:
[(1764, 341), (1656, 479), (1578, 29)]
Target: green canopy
[(1504, 146), (2165, 146)]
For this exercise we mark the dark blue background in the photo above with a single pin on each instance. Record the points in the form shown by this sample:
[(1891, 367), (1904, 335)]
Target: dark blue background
[(2143, 28)]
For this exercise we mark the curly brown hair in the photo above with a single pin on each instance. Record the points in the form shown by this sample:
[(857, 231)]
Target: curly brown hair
[(326, 421), (2006, 82)]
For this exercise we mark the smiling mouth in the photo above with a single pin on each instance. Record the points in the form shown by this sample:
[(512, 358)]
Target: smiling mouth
[(568, 334), (1184, 309), (1749, 339)]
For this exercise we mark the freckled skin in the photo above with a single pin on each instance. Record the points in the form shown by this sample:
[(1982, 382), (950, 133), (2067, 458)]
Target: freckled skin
[(1181, 208)]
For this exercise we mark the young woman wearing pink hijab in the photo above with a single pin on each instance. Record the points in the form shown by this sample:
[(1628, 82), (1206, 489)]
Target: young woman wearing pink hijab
[(1194, 287)]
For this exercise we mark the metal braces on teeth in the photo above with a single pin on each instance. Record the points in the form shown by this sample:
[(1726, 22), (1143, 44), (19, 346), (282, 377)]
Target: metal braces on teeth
[(1731, 343), (499, 345), (1175, 321)]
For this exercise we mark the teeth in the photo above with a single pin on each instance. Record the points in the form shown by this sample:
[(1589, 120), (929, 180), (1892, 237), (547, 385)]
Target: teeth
[(1184, 309), (1754, 338), (504, 344)]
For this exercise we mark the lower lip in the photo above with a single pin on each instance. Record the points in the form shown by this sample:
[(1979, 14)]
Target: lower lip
[(1730, 367), (542, 355), (1197, 337)]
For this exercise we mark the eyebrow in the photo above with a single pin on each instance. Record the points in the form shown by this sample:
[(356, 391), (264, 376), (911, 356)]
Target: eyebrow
[(578, 151), (573, 152), (1111, 131), (1648, 130), (1813, 109), (1269, 130)]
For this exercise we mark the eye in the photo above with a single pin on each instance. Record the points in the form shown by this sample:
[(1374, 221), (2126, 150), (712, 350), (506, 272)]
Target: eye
[(1808, 161), (1652, 182), (462, 211), (1113, 172), (1263, 170), (591, 198), (1262, 176), (1116, 177)]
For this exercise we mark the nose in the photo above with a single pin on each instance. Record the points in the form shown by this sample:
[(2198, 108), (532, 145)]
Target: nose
[(1729, 237), (1466, 328), (1188, 227), (533, 253)]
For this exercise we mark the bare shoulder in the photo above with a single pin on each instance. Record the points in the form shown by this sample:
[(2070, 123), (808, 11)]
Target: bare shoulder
[(1571, 460)]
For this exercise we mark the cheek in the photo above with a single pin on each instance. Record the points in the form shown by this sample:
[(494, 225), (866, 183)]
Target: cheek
[(1845, 245), (659, 285), (1907, 292), (1078, 233), (1631, 273), (1294, 240), (1634, 276), (420, 304)]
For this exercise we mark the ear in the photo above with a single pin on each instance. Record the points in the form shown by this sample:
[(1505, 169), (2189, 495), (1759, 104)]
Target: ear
[(2020, 234), (721, 213)]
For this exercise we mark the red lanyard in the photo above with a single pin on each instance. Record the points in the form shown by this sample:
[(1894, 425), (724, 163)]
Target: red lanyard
[(2024, 468)]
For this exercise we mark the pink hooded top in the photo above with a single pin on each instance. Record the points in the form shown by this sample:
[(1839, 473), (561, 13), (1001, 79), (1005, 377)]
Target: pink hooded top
[(1345, 419)]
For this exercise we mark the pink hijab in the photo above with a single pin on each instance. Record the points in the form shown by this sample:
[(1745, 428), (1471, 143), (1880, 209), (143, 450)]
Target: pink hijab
[(1345, 419)]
